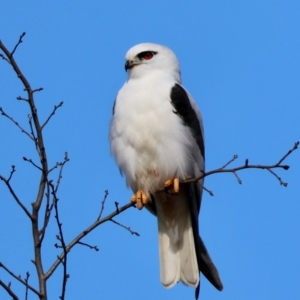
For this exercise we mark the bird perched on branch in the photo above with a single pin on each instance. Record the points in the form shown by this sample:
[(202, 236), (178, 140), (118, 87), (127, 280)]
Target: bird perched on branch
[(157, 139)]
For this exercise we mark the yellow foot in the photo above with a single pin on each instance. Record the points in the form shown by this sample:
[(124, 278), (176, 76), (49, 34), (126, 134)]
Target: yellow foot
[(140, 198), (173, 185)]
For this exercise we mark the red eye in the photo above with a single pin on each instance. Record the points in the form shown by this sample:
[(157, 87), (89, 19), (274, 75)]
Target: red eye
[(147, 55)]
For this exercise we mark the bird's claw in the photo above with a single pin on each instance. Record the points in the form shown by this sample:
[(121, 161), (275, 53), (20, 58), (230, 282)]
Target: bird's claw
[(140, 198), (172, 185)]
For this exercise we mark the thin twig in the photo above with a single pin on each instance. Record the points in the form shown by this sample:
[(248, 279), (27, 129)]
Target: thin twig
[(22, 99), (64, 260), (102, 204), (279, 179), (247, 166), (127, 228), (32, 131), (66, 159), (37, 90), (55, 167), (49, 208), (52, 114), (26, 280), (8, 289), (233, 159), (83, 234), (4, 58), (61, 238), (11, 190), (207, 190), (13, 170), (19, 279), (237, 177), (18, 43), (15, 122), (288, 153), (117, 206), (31, 161), (89, 246), (47, 215), (60, 164)]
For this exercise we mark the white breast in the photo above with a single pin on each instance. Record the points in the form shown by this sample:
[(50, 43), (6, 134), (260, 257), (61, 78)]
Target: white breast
[(149, 141)]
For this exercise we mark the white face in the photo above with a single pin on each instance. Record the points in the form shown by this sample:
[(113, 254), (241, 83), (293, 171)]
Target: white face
[(144, 58)]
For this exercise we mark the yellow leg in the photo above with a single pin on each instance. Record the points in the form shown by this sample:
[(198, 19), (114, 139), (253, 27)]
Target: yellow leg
[(140, 198), (173, 184)]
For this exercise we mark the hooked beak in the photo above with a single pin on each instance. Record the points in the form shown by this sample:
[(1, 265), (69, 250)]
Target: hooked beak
[(129, 64)]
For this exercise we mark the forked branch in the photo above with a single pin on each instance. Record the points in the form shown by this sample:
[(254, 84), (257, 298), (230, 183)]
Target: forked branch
[(270, 168)]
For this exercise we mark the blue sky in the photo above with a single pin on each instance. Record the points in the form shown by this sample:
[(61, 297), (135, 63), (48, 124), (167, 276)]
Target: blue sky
[(240, 61)]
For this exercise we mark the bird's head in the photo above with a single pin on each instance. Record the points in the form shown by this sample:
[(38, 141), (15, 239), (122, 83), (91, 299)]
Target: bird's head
[(147, 57)]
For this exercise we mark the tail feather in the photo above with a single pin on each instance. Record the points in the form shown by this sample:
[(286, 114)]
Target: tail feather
[(182, 252), (178, 260), (188, 258), (169, 261), (208, 268)]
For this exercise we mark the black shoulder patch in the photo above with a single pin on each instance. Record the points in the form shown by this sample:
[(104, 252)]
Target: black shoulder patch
[(113, 110), (183, 108)]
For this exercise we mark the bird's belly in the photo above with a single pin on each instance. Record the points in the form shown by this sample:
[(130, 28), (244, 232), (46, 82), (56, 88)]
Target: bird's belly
[(152, 147)]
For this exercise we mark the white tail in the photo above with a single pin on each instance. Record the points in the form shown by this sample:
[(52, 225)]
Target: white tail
[(178, 259)]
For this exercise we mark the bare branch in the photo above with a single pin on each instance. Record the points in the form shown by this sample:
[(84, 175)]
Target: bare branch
[(31, 161), (123, 208), (18, 43), (13, 170), (39, 141), (26, 280), (60, 237), (288, 153), (51, 189), (237, 177), (279, 179), (52, 114), (233, 158), (66, 159), (60, 164), (8, 289), (11, 190), (49, 208), (4, 58), (19, 279), (207, 190), (55, 167), (37, 90), (127, 228), (117, 206), (102, 204), (89, 246), (16, 123), (84, 233), (47, 215), (32, 131), (22, 99), (247, 166)]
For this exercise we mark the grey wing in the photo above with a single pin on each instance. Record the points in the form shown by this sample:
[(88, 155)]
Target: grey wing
[(187, 110)]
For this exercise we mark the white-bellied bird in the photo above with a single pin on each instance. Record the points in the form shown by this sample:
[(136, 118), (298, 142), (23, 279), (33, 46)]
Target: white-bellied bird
[(157, 139)]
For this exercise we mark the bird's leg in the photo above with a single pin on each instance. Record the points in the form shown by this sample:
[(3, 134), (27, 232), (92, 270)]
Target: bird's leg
[(140, 198), (173, 185)]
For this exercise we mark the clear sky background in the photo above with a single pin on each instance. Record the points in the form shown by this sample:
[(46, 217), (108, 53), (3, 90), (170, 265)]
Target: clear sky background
[(241, 62)]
